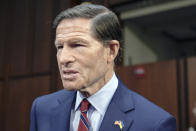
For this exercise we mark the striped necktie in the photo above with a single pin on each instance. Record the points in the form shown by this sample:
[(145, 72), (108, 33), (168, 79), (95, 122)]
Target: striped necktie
[(84, 124)]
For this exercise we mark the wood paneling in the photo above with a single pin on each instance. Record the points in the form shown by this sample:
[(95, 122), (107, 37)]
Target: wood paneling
[(20, 97), (1, 59), (62, 5), (159, 84), (29, 38), (1, 89), (27, 57), (2, 37), (1, 105), (191, 75), (16, 43), (42, 41)]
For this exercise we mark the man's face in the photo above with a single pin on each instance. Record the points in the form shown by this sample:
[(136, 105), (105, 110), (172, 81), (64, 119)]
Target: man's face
[(82, 59)]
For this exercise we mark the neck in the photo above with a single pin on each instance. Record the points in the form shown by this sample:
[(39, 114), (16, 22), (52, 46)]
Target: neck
[(91, 90)]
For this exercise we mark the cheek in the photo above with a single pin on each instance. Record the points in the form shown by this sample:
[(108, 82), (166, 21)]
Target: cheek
[(94, 60), (98, 64)]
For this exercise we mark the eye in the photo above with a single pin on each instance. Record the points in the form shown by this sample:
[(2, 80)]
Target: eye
[(73, 45), (59, 47)]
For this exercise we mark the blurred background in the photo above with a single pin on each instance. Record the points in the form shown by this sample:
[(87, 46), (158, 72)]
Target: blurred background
[(158, 58)]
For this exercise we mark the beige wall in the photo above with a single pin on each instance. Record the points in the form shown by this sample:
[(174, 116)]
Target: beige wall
[(146, 47)]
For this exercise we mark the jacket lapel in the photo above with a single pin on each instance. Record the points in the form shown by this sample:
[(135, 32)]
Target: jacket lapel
[(120, 109), (60, 120)]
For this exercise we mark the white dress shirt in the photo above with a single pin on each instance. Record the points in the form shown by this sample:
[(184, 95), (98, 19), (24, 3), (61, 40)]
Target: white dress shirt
[(99, 103)]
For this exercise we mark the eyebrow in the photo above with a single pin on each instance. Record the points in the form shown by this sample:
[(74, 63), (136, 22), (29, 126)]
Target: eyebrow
[(70, 41), (77, 40)]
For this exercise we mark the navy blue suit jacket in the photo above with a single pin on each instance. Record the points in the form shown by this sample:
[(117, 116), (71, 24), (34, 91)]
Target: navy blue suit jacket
[(52, 113)]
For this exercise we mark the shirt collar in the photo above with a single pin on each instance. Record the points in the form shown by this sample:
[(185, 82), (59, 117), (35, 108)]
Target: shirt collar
[(101, 99)]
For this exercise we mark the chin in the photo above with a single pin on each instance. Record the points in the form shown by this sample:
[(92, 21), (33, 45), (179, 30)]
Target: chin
[(71, 87)]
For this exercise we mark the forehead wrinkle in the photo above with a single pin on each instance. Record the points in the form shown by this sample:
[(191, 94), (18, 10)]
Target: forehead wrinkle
[(76, 23), (62, 38), (71, 29), (72, 32), (67, 34)]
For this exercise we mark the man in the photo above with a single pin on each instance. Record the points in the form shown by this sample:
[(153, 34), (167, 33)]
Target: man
[(88, 39)]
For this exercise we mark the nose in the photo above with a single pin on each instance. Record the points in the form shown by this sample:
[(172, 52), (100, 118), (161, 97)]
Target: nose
[(66, 57)]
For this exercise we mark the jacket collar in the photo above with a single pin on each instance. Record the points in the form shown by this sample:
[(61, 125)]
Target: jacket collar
[(119, 109), (60, 120)]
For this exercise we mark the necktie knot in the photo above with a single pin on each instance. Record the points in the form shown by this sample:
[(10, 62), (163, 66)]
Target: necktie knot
[(84, 106)]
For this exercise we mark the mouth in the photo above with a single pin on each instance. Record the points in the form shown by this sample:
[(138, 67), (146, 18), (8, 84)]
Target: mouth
[(69, 74)]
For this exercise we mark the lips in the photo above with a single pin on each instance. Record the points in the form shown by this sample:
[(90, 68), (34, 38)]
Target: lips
[(69, 74)]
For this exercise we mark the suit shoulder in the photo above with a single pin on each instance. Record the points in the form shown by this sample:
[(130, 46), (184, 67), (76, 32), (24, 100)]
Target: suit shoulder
[(142, 104), (51, 95), (51, 99), (148, 113), (148, 110)]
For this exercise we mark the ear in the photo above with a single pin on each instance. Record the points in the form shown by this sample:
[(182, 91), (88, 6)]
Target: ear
[(113, 47)]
